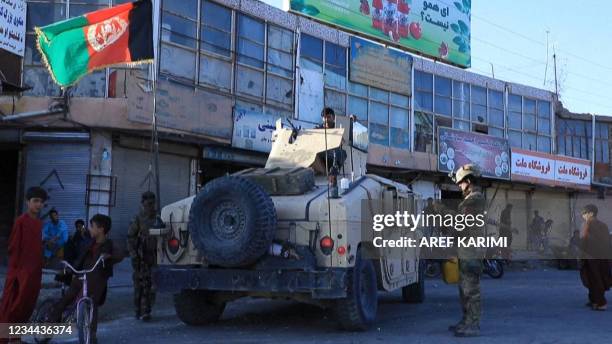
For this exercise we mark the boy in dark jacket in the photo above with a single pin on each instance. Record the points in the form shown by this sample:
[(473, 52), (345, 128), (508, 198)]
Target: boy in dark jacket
[(97, 280)]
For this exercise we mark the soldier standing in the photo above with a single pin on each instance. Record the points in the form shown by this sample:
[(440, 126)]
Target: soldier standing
[(143, 249), (470, 258)]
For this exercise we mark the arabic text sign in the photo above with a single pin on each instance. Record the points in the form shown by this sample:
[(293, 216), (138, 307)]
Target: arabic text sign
[(533, 167), (374, 65), (13, 26), (573, 172), (548, 169), (457, 148), (253, 130), (436, 28)]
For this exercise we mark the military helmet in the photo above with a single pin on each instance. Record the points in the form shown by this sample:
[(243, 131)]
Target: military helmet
[(465, 171), (147, 195)]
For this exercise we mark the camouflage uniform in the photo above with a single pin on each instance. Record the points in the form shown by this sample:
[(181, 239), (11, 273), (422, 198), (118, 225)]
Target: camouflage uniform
[(143, 249), (470, 263)]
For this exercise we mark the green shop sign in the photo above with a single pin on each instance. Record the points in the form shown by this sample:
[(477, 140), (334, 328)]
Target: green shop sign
[(438, 29)]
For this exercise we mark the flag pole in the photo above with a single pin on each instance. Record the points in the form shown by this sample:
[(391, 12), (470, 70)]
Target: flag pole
[(156, 38)]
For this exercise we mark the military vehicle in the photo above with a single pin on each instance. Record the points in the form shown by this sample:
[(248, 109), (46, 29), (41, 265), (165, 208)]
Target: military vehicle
[(292, 230)]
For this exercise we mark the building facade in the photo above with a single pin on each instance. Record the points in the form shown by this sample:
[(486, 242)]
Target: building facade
[(227, 70)]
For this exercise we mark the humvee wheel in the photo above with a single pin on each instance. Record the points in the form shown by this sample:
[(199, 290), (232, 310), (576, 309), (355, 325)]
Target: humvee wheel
[(358, 310), (197, 307), (415, 293), (232, 222)]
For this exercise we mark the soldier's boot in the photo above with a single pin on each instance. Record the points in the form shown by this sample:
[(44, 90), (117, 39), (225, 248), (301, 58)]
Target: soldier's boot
[(458, 325), (146, 317), (472, 330)]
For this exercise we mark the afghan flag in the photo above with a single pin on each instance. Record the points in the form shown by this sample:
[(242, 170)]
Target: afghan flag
[(120, 35)]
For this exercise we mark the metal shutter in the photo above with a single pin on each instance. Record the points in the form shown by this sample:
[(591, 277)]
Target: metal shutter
[(60, 168), (131, 168)]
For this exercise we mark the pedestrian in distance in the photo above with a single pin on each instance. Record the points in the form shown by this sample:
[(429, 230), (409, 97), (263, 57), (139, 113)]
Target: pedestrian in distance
[(25, 259), (78, 241), (54, 236), (596, 251), (143, 251)]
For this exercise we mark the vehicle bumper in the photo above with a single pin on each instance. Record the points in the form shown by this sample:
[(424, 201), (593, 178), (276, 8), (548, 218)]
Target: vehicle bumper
[(321, 284)]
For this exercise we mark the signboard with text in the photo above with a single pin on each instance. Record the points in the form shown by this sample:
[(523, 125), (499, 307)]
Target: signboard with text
[(457, 148), (13, 26), (436, 28), (374, 65), (551, 170), (253, 130)]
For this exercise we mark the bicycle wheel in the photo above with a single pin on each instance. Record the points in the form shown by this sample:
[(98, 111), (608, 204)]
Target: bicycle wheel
[(84, 319), (41, 316)]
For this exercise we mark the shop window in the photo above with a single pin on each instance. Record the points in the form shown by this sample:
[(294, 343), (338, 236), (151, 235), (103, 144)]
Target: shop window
[(280, 51), (117, 82), (461, 125), (250, 41), (479, 104), (335, 66), (529, 115), (544, 144), (379, 123), (358, 107), (496, 109), (177, 61), (515, 109), (496, 132), (529, 141), (423, 124), (442, 104), (215, 72), (400, 131), (178, 30), (91, 85), (423, 83), (461, 100), (215, 29), (249, 81), (544, 117), (80, 7), (311, 53), (515, 139), (336, 101)]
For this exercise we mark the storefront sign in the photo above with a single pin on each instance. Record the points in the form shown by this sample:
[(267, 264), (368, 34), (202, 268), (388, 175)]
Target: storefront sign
[(13, 26), (533, 167), (253, 131), (457, 148), (436, 28), (374, 65), (551, 170), (573, 172)]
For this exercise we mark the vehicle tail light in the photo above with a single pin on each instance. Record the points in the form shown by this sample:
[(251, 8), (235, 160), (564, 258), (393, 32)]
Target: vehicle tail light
[(341, 250), (327, 245), (173, 245)]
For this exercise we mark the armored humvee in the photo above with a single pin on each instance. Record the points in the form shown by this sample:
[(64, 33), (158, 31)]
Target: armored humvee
[(292, 230)]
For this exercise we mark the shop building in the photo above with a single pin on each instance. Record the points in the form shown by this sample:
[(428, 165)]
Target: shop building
[(228, 69)]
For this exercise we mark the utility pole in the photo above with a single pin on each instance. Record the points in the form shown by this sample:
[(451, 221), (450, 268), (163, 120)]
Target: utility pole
[(555, 66)]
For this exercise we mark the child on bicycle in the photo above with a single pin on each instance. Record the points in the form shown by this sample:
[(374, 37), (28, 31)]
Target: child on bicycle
[(99, 227)]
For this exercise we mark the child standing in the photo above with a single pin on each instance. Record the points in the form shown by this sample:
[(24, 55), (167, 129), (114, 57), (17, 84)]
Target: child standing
[(99, 227), (24, 274)]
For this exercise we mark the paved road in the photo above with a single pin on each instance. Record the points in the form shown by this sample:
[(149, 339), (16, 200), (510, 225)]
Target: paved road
[(535, 306)]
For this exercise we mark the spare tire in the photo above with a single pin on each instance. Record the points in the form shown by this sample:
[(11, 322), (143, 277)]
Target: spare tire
[(232, 222)]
